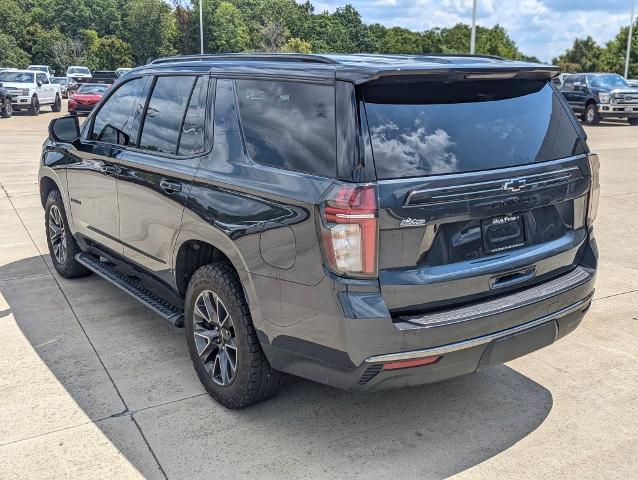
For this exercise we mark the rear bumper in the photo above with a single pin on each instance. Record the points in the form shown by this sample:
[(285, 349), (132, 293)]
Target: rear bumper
[(348, 344)]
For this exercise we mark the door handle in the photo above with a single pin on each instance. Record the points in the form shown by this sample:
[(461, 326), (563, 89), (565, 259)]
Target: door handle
[(170, 187), (108, 169)]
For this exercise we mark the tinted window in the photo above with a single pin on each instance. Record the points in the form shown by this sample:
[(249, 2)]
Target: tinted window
[(115, 119), (192, 136), (289, 125), (436, 128), (18, 77), (165, 113)]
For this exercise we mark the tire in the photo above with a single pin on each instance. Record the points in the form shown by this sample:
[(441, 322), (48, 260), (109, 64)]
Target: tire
[(253, 379), (57, 105), (591, 115), (633, 121), (6, 109), (34, 108), (62, 248)]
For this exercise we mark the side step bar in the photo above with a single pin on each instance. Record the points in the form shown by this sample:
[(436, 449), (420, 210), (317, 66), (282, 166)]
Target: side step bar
[(160, 306)]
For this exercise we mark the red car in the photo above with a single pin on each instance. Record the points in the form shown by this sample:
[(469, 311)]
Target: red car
[(86, 97)]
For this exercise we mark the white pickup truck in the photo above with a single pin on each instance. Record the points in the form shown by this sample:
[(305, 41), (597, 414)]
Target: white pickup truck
[(30, 90)]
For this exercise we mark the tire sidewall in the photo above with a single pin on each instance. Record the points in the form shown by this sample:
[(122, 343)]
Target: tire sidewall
[(240, 317), (34, 108), (55, 198), (7, 109), (57, 105), (595, 118)]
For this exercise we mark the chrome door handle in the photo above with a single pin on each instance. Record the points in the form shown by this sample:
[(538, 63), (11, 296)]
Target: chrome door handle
[(170, 187), (108, 169)]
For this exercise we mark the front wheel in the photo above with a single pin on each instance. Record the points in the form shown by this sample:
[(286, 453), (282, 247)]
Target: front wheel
[(222, 341), (34, 108), (633, 121), (6, 109), (62, 245), (591, 115), (57, 105)]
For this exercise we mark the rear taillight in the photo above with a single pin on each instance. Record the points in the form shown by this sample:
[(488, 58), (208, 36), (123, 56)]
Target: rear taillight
[(349, 230), (594, 188)]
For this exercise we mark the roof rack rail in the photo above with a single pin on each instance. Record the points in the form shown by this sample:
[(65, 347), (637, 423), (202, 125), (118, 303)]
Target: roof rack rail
[(263, 57), (476, 55)]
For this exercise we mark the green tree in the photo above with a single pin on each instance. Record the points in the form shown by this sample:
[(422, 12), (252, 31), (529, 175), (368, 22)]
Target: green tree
[(225, 30), (612, 58), (359, 37), (70, 17), (46, 48), (401, 40), (110, 52), (297, 45), (583, 56), (11, 55), (106, 16), (150, 30)]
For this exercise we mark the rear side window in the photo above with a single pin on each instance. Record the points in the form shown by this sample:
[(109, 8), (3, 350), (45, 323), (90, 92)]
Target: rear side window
[(289, 125), (165, 113), (114, 122), (429, 128), (192, 138)]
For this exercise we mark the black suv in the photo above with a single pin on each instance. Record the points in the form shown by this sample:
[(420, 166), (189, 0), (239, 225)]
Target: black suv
[(368, 222), (6, 109), (601, 95)]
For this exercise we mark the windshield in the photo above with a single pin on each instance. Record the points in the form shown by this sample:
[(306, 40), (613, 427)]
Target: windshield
[(82, 70), (59, 80), (431, 128), (607, 81), (19, 77), (87, 88)]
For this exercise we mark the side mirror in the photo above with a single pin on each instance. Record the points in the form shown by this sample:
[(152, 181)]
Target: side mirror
[(0, 84), (64, 129), (39, 83)]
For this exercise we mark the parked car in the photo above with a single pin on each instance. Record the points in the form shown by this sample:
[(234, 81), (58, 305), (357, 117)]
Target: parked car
[(6, 110), (30, 90), (632, 83), (42, 68), (78, 74), (67, 85), (122, 71), (596, 96), (103, 76), (86, 97), (367, 222)]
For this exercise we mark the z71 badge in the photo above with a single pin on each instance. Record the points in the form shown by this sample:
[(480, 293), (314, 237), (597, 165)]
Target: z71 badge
[(412, 222)]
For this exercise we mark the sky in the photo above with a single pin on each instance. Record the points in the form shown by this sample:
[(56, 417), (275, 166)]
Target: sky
[(543, 28)]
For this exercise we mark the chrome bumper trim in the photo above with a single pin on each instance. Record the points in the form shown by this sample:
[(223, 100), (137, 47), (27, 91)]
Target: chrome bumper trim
[(473, 342)]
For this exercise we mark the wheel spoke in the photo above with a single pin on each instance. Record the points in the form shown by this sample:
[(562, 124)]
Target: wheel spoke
[(223, 367), (210, 309), (222, 314), (206, 341)]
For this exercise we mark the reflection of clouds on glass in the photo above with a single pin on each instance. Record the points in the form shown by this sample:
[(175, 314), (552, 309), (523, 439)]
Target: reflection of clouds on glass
[(417, 151)]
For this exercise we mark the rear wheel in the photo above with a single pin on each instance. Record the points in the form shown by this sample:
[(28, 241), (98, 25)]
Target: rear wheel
[(6, 109), (62, 245), (591, 115), (222, 340), (34, 108), (633, 121), (57, 105)]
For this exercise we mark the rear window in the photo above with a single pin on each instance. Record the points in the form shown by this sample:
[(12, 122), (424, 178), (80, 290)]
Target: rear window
[(433, 128), (289, 125)]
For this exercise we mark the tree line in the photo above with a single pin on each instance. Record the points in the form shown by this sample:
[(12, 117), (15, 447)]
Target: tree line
[(585, 55), (107, 34)]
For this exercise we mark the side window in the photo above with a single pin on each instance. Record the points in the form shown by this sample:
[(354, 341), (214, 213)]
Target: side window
[(289, 125), (114, 122), (165, 113), (192, 136)]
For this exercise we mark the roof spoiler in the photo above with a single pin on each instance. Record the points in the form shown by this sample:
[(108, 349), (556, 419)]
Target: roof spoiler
[(454, 73)]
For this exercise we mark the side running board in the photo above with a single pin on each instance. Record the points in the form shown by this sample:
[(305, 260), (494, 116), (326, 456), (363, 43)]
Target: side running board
[(160, 306)]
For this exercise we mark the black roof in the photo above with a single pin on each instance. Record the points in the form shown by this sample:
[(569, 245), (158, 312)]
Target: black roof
[(358, 68)]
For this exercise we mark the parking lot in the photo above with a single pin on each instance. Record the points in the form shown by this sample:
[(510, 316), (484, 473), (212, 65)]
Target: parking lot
[(94, 385)]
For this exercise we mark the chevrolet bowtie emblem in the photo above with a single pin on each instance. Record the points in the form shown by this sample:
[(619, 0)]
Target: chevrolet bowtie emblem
[(514, 185)]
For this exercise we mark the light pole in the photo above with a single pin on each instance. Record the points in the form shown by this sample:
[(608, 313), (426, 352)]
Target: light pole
[(631, 31), (473, 35), (201, 28)]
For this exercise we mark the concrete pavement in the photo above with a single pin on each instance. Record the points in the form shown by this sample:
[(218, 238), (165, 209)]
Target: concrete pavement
[(93, 385)]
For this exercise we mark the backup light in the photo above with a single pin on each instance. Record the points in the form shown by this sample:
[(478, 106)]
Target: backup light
[(349, 230)]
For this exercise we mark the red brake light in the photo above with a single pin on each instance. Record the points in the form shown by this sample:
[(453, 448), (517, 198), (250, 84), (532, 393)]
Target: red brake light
[(349, 230)]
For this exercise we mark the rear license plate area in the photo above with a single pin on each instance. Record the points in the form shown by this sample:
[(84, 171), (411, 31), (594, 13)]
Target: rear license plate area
[(503, 233)]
